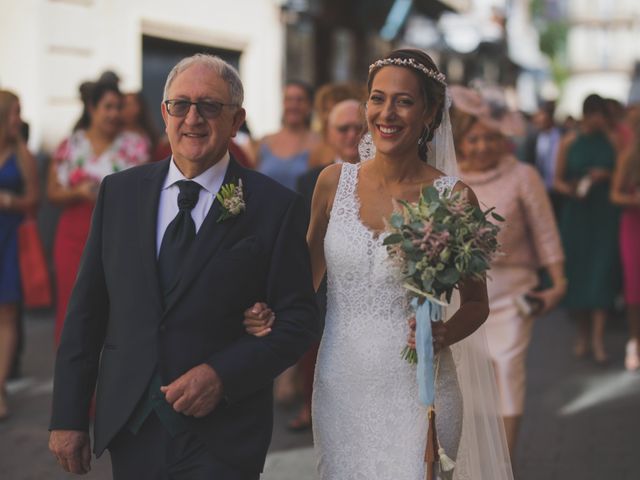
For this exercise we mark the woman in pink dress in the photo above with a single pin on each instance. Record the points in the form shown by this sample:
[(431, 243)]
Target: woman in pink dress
[(78, 166), (529, 240), (625, 192)]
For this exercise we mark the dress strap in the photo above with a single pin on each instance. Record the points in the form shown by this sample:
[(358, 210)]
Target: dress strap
[(445, 185), (346, 192)]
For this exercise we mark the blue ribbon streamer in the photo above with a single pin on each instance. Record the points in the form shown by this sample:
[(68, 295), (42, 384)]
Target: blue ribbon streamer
[(426, 313)]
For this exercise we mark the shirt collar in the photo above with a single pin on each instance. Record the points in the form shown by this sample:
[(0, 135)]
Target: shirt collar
[(210, 180)]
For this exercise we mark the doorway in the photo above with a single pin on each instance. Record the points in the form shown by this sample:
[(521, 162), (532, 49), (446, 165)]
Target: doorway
[(159, 55)]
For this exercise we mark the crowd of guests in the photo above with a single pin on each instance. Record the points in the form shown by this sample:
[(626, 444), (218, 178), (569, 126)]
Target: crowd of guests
[(570, 196)]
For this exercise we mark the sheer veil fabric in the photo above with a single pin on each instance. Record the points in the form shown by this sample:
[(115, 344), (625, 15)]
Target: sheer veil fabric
[(483, 452)]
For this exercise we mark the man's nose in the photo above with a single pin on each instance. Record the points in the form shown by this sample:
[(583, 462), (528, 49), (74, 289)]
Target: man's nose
[(193, 116), (353, 135)]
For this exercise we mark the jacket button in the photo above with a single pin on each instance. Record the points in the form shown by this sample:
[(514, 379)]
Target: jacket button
[(163, 328)]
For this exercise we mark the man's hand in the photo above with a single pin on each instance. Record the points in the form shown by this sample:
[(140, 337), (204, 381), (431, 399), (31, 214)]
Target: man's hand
[(196, 393), (72, 448)]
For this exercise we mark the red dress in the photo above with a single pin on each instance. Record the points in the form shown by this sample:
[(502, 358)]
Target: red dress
[(71, 235), (76, 163)]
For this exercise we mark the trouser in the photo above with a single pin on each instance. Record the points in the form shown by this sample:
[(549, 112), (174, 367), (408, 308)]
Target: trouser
[(153, 454)]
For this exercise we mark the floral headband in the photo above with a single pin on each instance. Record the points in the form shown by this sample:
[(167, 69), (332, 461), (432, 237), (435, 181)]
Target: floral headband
[(410, 62)]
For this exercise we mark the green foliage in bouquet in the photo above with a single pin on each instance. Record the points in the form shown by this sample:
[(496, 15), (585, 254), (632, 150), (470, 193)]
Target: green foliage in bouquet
[(440, 241)]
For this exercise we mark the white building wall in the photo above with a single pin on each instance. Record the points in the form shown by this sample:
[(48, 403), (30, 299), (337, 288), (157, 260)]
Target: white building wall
[(48, 47), (603, 45)]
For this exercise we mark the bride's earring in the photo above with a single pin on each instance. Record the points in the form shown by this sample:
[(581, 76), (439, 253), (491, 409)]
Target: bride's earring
[(366, 148), (424, 136)]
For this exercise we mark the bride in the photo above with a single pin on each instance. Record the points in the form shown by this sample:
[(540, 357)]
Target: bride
[(368, 421)]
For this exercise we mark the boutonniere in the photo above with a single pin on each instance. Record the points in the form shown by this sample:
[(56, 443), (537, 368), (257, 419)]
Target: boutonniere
[(231, 200)]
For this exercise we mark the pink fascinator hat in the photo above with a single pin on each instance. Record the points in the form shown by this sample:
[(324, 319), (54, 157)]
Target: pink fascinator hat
[(489, 105)]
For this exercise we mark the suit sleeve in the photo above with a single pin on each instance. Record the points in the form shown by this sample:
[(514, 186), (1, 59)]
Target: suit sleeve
[(78, 355), (251, 363)]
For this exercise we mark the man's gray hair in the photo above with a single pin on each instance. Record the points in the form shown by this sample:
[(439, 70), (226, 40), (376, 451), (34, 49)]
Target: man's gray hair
[(229, 74)]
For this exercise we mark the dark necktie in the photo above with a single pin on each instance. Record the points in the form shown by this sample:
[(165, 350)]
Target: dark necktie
[(178, 237)]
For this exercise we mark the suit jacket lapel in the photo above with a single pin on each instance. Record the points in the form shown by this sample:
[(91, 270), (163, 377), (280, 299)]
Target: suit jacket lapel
[(207, 240), (148, 201)]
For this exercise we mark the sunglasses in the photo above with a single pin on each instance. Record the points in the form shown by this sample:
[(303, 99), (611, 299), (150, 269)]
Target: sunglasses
[(356, 127), (206, 109)]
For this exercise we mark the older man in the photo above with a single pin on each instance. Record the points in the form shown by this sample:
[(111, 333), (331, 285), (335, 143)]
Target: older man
[(155, 318), (345, 127)]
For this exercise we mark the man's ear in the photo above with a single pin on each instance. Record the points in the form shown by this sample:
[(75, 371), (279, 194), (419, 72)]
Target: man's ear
[(165, 115), (238, 119)]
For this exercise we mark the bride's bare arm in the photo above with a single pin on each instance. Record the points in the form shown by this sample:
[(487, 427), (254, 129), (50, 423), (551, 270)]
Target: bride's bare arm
[(321, 204), (474, 302), (473, 311)]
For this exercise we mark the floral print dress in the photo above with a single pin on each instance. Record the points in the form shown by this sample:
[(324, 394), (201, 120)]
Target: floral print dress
[(75, 163)]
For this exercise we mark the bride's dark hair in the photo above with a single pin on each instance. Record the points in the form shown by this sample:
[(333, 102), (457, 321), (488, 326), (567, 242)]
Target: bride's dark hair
[(433, 91)]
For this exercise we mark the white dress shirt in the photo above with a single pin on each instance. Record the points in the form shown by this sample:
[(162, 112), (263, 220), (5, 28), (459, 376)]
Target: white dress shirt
[(210, 180)]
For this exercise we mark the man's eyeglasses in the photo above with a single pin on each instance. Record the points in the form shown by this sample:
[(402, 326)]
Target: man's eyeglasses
[(206, 109), (356, 127)]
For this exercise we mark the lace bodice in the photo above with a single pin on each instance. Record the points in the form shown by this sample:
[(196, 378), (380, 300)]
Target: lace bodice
[(361, 280), (368, 422)]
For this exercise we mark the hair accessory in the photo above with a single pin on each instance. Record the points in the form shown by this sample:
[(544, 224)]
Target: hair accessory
[(425, 134), (410, 62), (489, 105)]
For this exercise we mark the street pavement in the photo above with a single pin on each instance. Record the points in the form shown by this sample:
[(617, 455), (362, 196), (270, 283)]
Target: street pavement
[(581, 421)]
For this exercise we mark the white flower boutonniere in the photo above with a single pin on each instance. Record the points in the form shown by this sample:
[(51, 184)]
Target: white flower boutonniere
[(231, 198)]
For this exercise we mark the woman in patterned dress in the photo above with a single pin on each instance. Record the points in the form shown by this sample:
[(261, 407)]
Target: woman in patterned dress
[(78, 166)]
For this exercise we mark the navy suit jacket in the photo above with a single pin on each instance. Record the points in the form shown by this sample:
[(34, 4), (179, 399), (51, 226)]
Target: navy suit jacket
[(119, 328)]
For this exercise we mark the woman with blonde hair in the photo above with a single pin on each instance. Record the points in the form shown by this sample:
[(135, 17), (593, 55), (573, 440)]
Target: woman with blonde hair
[(529, 240), (18, 195)]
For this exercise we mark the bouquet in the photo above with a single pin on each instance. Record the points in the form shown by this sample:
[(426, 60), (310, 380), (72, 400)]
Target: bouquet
[(438, 242)]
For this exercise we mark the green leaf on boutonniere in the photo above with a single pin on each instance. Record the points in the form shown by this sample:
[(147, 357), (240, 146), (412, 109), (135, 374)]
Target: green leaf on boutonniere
[(231, 198)]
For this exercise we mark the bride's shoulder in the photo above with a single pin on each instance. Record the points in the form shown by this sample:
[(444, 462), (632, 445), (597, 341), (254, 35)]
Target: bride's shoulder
[(330, 176), (328, 182), (460, 186), (453, 184)]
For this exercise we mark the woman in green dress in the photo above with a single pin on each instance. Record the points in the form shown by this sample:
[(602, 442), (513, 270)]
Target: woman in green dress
[(589, 226)]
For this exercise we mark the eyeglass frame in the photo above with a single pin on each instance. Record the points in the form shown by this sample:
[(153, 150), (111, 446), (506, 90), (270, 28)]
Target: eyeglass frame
[(171, 102), (344, 128)]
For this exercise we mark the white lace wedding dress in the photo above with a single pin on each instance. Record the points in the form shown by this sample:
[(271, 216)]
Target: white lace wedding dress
[(368, 421)]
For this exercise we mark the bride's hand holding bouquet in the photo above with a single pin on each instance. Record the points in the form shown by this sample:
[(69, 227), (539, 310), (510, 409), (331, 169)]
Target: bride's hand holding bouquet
[(439, 242)]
